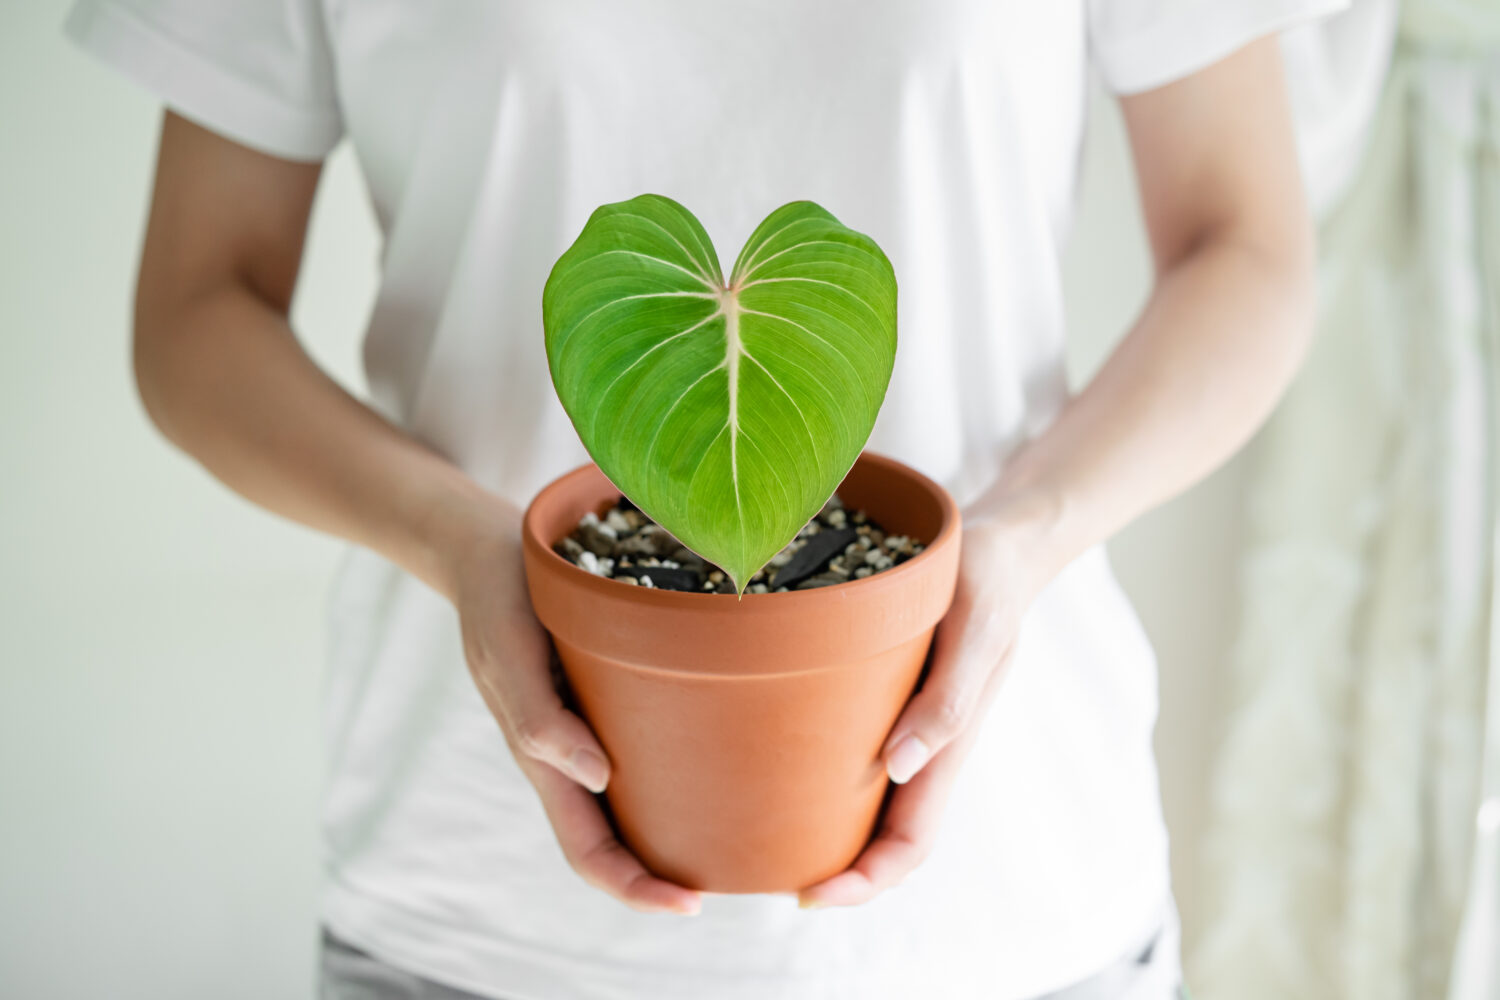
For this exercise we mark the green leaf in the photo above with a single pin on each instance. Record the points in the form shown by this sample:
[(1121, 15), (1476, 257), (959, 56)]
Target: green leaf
[(728, 413)]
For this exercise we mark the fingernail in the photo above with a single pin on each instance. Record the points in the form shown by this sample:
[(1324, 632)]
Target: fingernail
[(691, 908), (589, 769), (907, 759), (810, 904)]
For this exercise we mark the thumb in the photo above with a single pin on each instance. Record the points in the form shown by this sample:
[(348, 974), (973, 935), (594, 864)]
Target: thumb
[(967, 649)]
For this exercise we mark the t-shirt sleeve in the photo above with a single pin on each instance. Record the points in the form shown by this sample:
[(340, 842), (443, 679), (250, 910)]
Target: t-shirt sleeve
[(1143, 44), (258, 72)]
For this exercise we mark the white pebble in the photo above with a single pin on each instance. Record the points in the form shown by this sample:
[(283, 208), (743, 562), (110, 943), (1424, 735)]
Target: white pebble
[(588, 518), (646, 582), (873, 556), (781, 558), (864, 571), (590, 562), (759, 588), (836, 517), (616, 521), (671, 564), (627, 579)]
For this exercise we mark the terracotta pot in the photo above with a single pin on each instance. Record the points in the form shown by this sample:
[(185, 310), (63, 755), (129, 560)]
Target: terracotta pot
[(744, 735)]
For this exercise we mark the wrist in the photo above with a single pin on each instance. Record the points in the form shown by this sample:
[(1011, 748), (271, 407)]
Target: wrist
[(1033, 523), (457, 521)]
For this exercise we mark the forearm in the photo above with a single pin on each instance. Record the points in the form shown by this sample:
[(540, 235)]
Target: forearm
[(1211, 353), (224, 378)]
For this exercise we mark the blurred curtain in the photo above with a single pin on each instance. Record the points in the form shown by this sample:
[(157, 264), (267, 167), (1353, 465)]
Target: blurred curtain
[(1342, 855)]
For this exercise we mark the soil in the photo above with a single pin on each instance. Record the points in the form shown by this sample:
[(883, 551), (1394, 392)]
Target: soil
[(836, 546)]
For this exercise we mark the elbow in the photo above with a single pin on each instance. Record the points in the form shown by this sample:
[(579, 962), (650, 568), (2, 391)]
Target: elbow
[(154, 344), (1282, 267)]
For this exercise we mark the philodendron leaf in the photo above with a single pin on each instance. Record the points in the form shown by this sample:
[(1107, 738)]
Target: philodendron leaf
[(728, 413)]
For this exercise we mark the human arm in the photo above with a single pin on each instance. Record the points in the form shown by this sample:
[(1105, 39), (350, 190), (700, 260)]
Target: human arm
[(220, 372), (1228, 321)]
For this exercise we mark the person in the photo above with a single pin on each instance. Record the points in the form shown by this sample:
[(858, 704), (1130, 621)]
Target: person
[(1023, 852)]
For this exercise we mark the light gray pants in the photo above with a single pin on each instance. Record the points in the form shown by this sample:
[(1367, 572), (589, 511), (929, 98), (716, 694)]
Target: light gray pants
[(1151, 972)]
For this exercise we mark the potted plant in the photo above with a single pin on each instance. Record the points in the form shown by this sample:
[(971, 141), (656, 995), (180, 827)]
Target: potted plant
[(744, 729)]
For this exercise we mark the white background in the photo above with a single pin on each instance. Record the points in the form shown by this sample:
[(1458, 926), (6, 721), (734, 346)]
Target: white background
[(160, 642)]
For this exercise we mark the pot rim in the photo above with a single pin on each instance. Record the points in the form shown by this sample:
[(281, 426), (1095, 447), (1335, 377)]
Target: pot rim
[(606, 586)]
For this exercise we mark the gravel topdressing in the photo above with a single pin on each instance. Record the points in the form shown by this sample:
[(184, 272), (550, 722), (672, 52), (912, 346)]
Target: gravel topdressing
[(836, 546)]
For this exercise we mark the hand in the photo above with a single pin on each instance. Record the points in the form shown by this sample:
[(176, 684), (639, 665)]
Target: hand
[(1001, 569), (508, 655)]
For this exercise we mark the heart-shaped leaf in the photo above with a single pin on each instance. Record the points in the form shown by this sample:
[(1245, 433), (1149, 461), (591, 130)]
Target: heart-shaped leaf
[(728, 413)]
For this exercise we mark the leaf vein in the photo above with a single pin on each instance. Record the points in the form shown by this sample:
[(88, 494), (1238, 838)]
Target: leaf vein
[(562, 338), (656, 437), (704, 274), (785, 493), (660, 260), (603, 393), (808, 243), (816, 281), (811, 437), (831, 346), (750, 261)]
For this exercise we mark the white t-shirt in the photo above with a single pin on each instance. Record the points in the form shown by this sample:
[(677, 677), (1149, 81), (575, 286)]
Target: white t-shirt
[(488, 130)]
